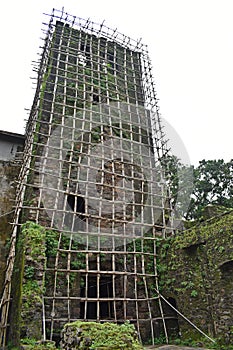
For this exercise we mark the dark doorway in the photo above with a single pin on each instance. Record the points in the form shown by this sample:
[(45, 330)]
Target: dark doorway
[(105, 291), (171, 318)]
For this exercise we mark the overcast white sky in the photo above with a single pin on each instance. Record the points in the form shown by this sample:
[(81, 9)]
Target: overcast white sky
[(190, 44)]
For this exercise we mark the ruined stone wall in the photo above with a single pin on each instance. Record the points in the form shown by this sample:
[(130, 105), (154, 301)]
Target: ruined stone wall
[(89, 112), (8, 174), (197, 268)]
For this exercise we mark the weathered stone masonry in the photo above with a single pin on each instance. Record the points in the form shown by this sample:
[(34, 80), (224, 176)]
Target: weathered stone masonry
[(198, 267), (10, 144)]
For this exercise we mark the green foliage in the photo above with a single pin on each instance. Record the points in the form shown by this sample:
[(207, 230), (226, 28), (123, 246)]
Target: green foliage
[(196, 343), (51, 243), (194, 293), (29, 271), (96, 83), (79, 263), (192, 189), (196, 259), (32, 344), (187, 342), (179, 179), (160, 340), (202, 343), (212, 185), (34, 238), (109, 336), (31, 292)]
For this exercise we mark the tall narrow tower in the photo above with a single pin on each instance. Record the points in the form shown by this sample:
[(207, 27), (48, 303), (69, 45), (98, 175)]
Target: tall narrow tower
[(92, 177)]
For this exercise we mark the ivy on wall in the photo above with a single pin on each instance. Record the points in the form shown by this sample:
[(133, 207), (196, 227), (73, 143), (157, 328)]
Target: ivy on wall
[(191, 269)]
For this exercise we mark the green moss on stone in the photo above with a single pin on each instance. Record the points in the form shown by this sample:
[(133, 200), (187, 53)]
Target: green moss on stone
[(33, 237), (191, 266), (106, 336)]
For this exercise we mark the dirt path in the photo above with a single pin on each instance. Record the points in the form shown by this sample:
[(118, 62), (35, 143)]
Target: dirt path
[(173, 347)]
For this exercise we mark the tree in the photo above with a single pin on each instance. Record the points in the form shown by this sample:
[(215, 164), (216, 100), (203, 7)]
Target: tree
[(179, 179), (192, 189), (213, 184)]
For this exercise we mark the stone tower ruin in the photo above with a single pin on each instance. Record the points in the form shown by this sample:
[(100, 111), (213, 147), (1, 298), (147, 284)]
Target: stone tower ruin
[(92, 180)]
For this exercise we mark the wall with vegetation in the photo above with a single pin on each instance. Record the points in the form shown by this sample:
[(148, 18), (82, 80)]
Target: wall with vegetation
[(8, 174), (196, 270)]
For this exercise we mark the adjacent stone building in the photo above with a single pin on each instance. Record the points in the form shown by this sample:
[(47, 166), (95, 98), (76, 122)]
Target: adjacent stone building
[(197, 267)]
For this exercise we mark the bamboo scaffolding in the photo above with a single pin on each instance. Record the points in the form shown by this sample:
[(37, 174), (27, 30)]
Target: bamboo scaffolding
[(95, 92)]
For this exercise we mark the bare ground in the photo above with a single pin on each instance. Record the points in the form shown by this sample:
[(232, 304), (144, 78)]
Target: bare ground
[(173, 347)]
